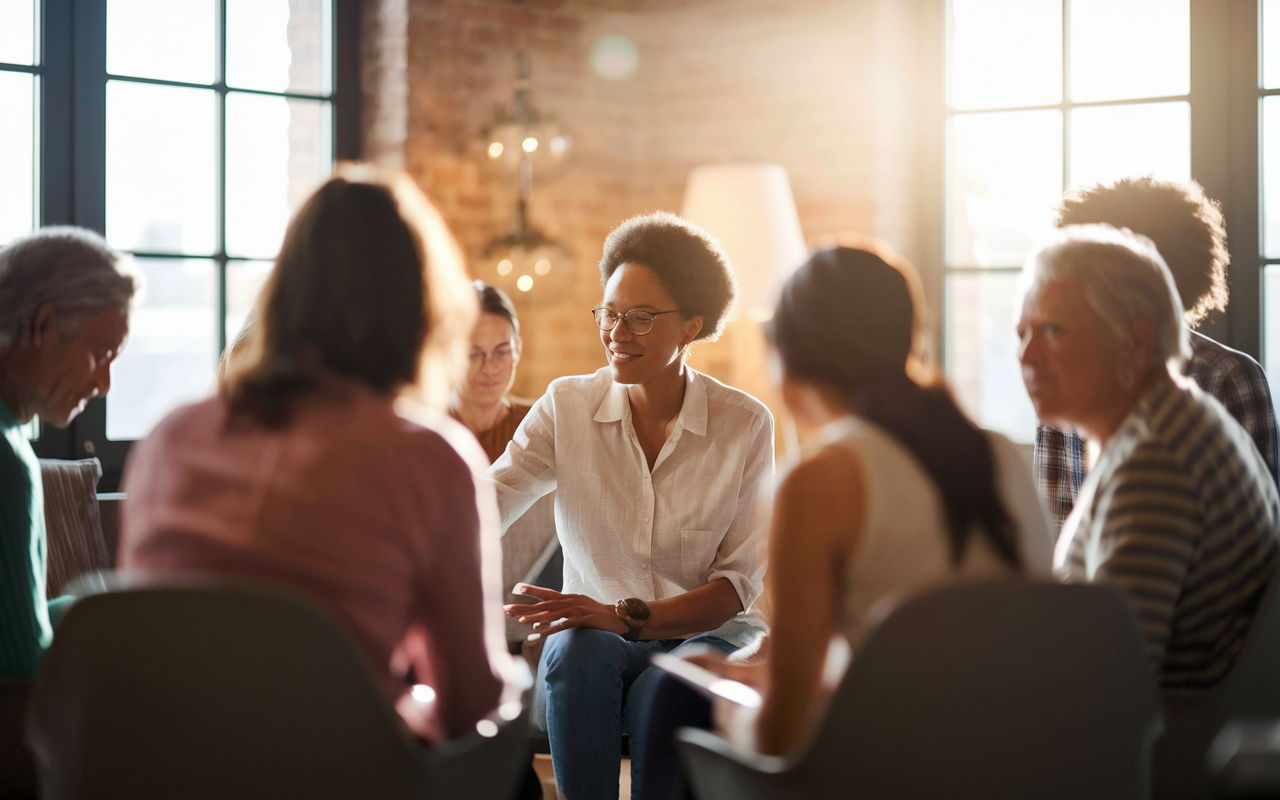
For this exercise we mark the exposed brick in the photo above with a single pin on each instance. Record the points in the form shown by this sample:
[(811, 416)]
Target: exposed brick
[(562, 24), (797, 83), (517, 18)]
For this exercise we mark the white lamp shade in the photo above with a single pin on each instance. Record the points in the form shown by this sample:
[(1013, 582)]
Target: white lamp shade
[(749, 208)]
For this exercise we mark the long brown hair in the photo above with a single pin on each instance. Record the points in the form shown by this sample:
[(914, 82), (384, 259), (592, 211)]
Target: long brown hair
[(851, 319), (369, 287)]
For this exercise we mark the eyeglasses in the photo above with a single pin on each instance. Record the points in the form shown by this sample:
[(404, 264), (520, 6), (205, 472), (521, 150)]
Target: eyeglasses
[(637, 321), (500, 359)]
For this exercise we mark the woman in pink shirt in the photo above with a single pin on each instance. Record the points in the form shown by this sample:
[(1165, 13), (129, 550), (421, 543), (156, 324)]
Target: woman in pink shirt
[(319, 465)]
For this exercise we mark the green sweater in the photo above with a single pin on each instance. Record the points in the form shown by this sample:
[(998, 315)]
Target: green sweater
[(24, 615)]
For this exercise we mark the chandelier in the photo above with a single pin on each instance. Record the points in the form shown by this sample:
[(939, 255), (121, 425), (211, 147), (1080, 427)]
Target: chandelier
[(522, 144)]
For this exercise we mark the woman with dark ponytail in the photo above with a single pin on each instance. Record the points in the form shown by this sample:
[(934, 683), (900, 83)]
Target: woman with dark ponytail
[(905, 493)]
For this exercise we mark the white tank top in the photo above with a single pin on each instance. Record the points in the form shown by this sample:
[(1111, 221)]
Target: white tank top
[(905, 547)]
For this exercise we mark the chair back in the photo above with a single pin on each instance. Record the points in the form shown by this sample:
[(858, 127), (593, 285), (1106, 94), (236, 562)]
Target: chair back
[(1250, 691), (17, 768), (73, 521), (202, 692), (1007, 689)]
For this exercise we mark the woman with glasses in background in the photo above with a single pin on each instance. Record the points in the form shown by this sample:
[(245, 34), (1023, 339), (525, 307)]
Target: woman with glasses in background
[(481, 402), (662, 480)]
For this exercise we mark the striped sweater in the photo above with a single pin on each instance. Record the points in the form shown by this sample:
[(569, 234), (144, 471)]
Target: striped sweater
[(1181, 511)]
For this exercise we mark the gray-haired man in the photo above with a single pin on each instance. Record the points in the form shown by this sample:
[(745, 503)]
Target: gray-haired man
[(64, 315)]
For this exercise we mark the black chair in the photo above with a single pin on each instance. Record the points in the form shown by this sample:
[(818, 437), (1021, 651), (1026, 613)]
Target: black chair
[(17, 767), (1008, 689), (1250, 691), (203, 691)]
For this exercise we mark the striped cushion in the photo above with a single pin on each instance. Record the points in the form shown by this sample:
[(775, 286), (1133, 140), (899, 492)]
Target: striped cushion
[(72, 521)]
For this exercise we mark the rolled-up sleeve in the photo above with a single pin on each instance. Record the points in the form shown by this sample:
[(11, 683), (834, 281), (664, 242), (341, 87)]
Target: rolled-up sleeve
[(526, 470), (740, 558)]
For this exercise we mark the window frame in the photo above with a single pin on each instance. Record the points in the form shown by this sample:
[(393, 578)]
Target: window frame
[(1225, 118), (72, 163)]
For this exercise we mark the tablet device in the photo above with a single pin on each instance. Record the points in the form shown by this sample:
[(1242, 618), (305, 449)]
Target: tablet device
[(707, 682)]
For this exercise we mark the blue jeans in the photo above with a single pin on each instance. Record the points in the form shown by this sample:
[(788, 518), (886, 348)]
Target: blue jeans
[(597, 686)]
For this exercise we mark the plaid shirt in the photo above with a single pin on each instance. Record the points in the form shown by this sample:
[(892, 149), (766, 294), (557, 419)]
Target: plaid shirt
[(1234, 378)]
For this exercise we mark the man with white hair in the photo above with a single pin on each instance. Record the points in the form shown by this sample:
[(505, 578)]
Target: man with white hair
[(64, 315), (1188, 229), (1180, 509)]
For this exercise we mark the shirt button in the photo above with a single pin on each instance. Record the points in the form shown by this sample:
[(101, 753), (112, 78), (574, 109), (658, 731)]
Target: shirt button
[(646, 520)]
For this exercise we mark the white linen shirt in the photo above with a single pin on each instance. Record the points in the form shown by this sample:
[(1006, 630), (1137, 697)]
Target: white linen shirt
[(700, 515)]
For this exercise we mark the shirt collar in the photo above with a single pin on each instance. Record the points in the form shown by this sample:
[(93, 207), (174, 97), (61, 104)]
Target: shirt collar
[(693, 412), (1138, 424)]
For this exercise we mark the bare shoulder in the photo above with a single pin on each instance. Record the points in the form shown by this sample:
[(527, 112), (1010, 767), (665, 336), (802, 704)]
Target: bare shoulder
[(832, 471), (823, 498)]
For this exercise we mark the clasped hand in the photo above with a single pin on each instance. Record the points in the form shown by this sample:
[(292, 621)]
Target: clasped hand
[(555, 611)]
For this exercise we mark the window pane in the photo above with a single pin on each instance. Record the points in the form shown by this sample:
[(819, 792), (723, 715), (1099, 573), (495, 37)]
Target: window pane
[(17, 154), (1112, 142), (1270, 44), (1271, 176), (1004, 178), (18, 31), (1005, 53), (172, 349), (161, 168), (279, 45), (1122, 49), (172, 40), (1271, 327), (245, 280), (982, 353), (278, 150)]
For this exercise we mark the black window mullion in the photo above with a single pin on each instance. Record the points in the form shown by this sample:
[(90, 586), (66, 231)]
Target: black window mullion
[(221, 316), (55, 170), (89, 189)]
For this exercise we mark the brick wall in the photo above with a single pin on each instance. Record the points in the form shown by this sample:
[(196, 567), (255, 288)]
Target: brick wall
[(824, 87)]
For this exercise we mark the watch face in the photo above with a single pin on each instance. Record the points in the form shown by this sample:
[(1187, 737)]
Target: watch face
[(635, 608)]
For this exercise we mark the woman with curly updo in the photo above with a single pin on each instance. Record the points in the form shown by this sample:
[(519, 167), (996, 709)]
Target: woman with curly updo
[(661, 477)]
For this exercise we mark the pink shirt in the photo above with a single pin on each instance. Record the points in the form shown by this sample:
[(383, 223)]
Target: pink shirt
[(374, 516)]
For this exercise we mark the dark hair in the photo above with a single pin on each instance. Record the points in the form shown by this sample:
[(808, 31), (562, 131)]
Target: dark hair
[(850, 320), (495, 301), (689, 262), (360, 282), (1186, 226)]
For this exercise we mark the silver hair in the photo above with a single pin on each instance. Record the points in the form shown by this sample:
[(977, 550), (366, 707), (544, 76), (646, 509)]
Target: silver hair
[(1125, 279), (72, 268)]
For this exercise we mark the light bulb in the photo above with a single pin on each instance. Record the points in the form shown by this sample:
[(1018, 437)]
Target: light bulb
[(495, 149), (530, 144), (542, 267), (504, 266), (525, 283)]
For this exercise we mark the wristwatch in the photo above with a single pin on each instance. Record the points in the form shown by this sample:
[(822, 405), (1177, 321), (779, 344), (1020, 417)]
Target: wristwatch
[(635, 613)]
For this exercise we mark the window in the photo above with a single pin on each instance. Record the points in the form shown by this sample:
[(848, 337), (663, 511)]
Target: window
[(215, 133), (19, 128), (1269, 189), (1043, 95), (187, 133), (19, 131)]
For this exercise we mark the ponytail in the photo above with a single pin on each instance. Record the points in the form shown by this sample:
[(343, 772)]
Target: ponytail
[(952, 450), (849, 319)]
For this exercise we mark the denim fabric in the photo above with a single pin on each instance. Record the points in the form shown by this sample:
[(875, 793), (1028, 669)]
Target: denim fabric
[(672, 705), (597, 686)]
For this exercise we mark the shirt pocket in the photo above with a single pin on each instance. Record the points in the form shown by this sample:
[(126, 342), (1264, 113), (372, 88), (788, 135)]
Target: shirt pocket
[(697, 549)]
